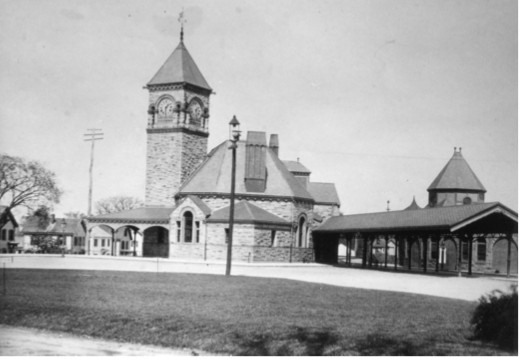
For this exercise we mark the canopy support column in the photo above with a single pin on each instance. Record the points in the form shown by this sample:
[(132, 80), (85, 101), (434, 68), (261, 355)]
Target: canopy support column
[(425, 253), (470, 254), (409, 253), (365, 250), (437, 240), (509, 240), (459, 257), (396, 250), (386, 251)]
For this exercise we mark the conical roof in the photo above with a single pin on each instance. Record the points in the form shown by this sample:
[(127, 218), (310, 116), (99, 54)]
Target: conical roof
[(179, 68), (413, 205), (457, 175)]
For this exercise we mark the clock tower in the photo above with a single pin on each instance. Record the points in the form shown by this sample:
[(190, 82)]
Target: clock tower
[(177, 131)]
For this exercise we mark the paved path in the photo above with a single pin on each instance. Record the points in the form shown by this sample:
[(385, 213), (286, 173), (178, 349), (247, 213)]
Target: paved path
[(466, 288), (33, 342)]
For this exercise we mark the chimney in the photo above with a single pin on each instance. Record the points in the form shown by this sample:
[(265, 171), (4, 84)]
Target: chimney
[(273, 143), (255, 173)]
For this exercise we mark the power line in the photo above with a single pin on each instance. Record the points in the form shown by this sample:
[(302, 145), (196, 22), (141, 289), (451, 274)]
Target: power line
[(93, 136)]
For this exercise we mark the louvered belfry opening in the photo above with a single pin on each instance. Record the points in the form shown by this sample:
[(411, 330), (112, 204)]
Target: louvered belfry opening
[(255, 173)]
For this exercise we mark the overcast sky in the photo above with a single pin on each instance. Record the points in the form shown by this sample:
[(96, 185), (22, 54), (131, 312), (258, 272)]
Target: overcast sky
[(370, 94)]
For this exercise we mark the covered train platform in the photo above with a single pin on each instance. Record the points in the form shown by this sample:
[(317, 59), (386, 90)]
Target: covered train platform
[(466, 238)]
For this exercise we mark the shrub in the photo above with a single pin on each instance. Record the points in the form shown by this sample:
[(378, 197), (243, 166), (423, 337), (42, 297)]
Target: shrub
[(496, 319)]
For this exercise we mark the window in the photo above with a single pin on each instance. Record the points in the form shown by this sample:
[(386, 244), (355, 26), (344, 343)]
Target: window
[(103, 242), (197, 231), (178, 231), (4, 234), (188, 227), (273, 238), (95, 242), (301, 232), (11, 235), (481, 249), (466, 200)]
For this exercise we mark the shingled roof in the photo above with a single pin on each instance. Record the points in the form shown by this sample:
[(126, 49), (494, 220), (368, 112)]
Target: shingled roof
[(442, 218), (214, 176), (323, 193), (136, 215), (457, 175), (73, 226), (179, 68), (247, 213), (296, 167)]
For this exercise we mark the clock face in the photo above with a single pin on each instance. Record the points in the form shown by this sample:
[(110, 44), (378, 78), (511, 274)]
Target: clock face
[(166, 108), (195, 110)]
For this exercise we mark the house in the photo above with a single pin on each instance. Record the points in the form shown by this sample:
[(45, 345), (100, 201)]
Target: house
[(8, 243), (63, 235)]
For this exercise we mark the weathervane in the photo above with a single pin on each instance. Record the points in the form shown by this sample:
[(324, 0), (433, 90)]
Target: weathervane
[(182, 21)]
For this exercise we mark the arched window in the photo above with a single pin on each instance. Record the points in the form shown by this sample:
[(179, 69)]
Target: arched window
[(466, 200), (301, 231), (188, 226)]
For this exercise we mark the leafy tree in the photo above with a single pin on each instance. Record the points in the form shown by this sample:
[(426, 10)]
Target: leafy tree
[(26, 183), (75, 215), (117, 204), (44, 242)]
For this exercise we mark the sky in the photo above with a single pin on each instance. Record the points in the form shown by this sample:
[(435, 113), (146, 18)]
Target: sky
[(372, 95)]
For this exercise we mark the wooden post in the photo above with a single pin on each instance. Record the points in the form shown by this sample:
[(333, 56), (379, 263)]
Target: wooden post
[(459, 260), (470, 249), (386, 250), (409, 254), (425, 254), (349, 253), (509, 240), (438, 241), (364, 262), (396, 250)]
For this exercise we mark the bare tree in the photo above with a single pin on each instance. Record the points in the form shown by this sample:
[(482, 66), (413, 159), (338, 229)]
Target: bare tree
[(75, 215), (26, 183), (117, 204)]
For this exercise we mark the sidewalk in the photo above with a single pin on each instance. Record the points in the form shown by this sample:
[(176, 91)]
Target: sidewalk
[(465, 288)]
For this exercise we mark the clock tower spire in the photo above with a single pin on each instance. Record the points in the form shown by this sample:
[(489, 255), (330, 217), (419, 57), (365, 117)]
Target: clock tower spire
[(178, 124)]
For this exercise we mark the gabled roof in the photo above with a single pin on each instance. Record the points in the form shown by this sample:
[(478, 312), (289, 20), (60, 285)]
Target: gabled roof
[(247, 213), (199, 203), (5, 211), (73, 226), (136, 215), (179, 68), (323, 193), (437, 218), (457, 175), (214, 176), (296, 166)]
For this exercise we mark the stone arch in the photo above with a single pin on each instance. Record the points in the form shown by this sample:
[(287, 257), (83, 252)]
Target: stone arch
[(450, 254), (499, 262), (101, 237), (156, 242), (129, 240)]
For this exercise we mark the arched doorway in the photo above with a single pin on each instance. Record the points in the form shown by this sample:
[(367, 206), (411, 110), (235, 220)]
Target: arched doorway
[(450, 256), (156, 242), (500, 257)]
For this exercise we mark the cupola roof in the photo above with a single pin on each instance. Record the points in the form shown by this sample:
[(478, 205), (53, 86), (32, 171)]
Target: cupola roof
[(179, 68), (457, 175)]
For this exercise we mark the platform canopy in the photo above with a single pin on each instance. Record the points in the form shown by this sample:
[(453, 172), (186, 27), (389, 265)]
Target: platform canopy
[(491, 217)]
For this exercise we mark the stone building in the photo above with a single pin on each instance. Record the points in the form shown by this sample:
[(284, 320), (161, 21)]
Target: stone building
[(188, 188), (457, 230)]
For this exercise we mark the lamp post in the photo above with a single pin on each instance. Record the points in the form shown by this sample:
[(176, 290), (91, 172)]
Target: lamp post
[(234, 136), (64, 241)]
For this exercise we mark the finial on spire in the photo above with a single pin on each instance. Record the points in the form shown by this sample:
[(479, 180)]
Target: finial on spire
[(182, 21), (387, 206)]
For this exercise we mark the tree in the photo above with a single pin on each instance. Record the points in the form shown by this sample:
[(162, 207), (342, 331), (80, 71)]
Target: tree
[(26, 183), (75, 215), (117, 204), (44, 242)]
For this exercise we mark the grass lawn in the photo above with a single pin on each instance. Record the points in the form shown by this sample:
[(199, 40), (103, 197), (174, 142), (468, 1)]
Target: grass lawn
[(238, 315)]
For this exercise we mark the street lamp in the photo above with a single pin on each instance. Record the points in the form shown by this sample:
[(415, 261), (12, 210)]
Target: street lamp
[(234, 136), (64, 241)]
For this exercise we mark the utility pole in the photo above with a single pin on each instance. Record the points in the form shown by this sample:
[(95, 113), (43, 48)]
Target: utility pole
[(93, 136)]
